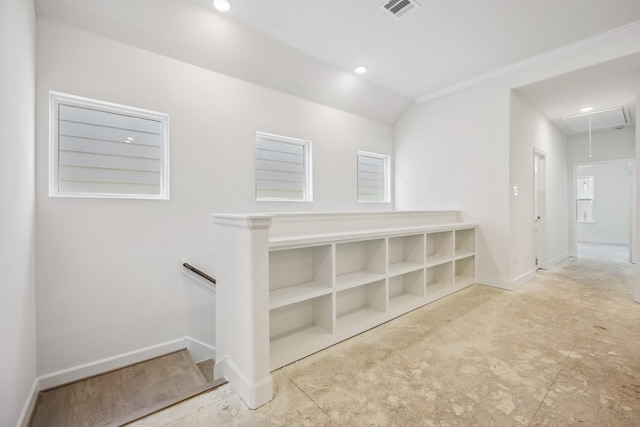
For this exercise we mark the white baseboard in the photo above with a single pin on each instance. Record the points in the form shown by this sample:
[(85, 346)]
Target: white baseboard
[(557, 260), (90, 369), (199, 350), (507, 284), (605, 241), (493, 282), (29, 404), (219, 367), (254, 394), (522, 279)]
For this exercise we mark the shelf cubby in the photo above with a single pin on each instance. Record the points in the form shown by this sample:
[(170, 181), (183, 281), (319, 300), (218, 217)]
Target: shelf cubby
[(360, 262), (323, 289), (465, 270), (406, 254), (406, 289), (360, 304), (298, 274), (465, 242), (439, 277), (302, 320), (439, 247)]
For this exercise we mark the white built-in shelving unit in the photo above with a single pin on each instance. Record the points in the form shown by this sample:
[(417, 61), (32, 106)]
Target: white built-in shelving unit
[(341, 285), (292, 284)]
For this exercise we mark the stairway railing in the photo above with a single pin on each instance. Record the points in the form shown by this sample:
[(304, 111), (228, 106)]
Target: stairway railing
[(199, 272)]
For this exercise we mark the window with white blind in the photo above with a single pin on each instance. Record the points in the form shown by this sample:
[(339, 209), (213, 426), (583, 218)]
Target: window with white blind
[(99, 149), (373, 177), (283, 168)]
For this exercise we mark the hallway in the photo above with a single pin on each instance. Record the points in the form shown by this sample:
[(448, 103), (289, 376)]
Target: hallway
[(560, 350), (603, 252)]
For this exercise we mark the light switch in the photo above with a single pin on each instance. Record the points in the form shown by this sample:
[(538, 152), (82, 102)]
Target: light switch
[(515, 190)]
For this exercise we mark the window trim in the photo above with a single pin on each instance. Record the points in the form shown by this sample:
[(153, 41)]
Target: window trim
[(307, 166), (386, 159), (58, 98)]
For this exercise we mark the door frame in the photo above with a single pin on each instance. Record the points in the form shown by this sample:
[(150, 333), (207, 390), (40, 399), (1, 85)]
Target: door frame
[(632, 205), (540, 249)]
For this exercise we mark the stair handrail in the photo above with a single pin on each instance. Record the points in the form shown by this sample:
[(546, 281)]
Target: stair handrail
[(199, 272)]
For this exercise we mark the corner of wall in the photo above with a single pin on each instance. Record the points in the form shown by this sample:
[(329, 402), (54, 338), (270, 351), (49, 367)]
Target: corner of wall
[(199, 350), (29, 405), (507, 284)]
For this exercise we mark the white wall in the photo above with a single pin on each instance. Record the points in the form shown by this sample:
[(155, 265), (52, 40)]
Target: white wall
[(109, 277), (453, 150), (613, 144), (611, 204), (191, 32), (17, 232), (453, 153), (529, 130)]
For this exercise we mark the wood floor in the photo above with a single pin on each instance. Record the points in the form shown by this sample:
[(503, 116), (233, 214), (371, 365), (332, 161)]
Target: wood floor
[(124, 395), (206, 368)]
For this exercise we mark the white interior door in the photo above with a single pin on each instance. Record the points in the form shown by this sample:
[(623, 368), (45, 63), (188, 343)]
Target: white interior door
[(540, 209)]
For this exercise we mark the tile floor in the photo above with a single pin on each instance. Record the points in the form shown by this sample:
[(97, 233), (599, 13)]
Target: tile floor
[(616, 253), (562, 350)]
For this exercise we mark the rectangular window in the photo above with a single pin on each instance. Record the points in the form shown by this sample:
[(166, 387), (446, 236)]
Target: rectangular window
[(584, 203), (99, 149), (283, 168), (373, 177)]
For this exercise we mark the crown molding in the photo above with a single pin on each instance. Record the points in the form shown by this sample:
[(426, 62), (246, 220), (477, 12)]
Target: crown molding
[(588, 43)]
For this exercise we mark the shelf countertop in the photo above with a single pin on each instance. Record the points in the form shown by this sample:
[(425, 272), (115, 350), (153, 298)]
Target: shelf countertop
[(286, 242)]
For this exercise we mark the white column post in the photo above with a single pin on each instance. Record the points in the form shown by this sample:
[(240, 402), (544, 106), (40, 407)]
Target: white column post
[(242, 306)]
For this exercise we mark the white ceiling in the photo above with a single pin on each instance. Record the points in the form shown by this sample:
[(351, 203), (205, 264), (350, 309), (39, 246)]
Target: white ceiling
[(436, 45), (311, 46), (603, 86)]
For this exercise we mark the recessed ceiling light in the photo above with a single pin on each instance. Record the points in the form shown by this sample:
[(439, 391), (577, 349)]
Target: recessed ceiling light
[(222, 5), (586, 109), (360, 69)]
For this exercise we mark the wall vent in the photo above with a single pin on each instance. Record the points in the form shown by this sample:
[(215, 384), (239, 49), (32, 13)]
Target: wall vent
[(399, 8)]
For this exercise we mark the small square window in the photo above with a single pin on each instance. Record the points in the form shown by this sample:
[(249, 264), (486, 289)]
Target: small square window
[(283, 168), (99, 149), (373, 177)]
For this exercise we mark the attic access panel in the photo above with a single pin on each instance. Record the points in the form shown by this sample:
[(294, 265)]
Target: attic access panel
[(399, 8), (602, 119)]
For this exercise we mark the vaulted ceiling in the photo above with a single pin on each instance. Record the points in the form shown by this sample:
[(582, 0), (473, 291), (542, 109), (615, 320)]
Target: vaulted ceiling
[(308, 47)]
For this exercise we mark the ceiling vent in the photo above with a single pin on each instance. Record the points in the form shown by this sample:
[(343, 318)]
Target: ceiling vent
[(399, 8), (601, 119)]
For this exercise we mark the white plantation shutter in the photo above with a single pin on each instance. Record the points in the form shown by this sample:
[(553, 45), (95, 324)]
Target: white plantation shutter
[(585, 187), (585, 211), (104, 150), (282, 168), (372, 177), (584, 208)]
